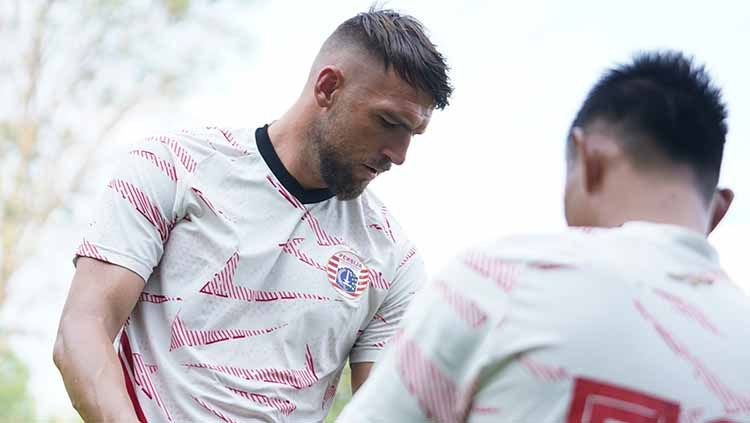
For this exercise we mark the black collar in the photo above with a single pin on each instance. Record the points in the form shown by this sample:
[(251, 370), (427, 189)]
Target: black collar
[(305, 196)]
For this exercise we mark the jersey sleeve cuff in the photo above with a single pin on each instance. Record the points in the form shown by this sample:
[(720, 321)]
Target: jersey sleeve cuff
[(365, 355), (134, 265)]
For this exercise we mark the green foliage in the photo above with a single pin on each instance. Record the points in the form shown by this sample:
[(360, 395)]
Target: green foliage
[(177, 9), (16, 404), (343, 395)]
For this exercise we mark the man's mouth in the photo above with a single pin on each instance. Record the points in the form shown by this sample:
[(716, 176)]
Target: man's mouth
[(372, 171)]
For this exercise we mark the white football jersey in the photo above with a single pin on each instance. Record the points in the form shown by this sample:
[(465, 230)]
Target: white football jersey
[(634, 324), (257, 290)]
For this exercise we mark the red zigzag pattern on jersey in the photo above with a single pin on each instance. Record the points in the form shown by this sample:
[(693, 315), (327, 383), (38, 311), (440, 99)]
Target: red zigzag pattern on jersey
[(321, 236), (733, 402), (214, 411), (210, 205), (689, 310), (87, 249), (144, 206), (222, 285), (438, 396), (377, 280), (380, 317), (466, 309), (141, 374), (435, 392), (156, 299), (284, 193), (328, 395), (230, 138), (290, 247), (386, 229), (379, 345), (166, 167), (284, 406), (296, 378), (409, 254), (182, 336), (543, 371), (504, 273), (182, 154)]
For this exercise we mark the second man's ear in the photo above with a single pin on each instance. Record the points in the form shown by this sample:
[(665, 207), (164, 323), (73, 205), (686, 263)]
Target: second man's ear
[(589, 159), (330, 79), (719, 206)]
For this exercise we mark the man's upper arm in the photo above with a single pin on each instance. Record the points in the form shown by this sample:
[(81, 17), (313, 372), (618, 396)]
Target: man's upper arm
[(360, 372), (102, 292)]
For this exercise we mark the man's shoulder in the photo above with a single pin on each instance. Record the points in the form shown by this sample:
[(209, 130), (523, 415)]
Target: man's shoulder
[(191, 145), (491, 272), (567, 249), (566, 244), (380, 218)]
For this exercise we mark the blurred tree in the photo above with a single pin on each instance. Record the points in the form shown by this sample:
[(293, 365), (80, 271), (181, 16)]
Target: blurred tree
[(70, 71)]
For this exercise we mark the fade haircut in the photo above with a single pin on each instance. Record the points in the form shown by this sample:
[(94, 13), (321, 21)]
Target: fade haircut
[(662, 106), (399, 41)]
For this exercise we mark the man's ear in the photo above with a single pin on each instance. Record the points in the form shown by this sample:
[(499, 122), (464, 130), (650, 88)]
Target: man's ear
[(720, 203), (591, 160), (330, 80)]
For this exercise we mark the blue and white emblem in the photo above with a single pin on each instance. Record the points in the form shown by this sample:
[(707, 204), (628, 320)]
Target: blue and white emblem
[(347, 274)]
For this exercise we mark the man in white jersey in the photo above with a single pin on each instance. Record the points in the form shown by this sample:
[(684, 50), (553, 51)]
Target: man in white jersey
[(236, 271), (628, 318)]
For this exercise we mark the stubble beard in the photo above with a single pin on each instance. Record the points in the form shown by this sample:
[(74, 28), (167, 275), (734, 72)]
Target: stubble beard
[(335, 168)]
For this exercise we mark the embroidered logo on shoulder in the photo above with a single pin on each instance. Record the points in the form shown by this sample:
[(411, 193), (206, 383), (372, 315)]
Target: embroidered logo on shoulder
[(708, 277), (347, 274)]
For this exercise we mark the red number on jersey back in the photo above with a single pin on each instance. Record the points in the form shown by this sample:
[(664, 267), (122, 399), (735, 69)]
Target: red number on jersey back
[(599, 402)]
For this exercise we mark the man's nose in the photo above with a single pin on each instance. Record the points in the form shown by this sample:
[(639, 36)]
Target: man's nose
[(396, 149)]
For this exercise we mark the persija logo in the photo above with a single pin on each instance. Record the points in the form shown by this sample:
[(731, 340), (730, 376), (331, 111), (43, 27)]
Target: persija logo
[(347, 274)]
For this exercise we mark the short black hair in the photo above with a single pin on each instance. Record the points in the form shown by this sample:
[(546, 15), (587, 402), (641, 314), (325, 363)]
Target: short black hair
[(665, 104), (400, 41)]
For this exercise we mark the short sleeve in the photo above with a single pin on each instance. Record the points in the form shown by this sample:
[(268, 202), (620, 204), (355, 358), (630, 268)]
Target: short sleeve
[(410, 276), (139, 207), (430, 369)]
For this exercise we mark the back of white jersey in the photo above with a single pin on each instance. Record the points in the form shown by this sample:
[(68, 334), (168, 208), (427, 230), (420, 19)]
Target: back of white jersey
[(634, 324)]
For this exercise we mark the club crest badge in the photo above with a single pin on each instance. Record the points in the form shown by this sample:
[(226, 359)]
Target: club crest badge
[(347, 274)]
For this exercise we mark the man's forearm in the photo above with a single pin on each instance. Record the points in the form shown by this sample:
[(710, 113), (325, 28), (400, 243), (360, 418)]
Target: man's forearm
[(92, 374)]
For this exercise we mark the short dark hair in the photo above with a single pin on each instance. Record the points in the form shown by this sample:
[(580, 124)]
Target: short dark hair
[(662, 103), (400, 41)]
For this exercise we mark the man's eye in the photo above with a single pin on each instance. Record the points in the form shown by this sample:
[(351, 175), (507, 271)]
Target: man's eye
[(387, 123)]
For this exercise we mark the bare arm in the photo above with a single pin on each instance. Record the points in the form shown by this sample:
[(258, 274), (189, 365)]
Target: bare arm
[(100, 299), (360, 371)]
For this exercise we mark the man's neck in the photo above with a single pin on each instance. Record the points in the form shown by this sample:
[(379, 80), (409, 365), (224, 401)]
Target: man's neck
[(289, 137), (659, 202)]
